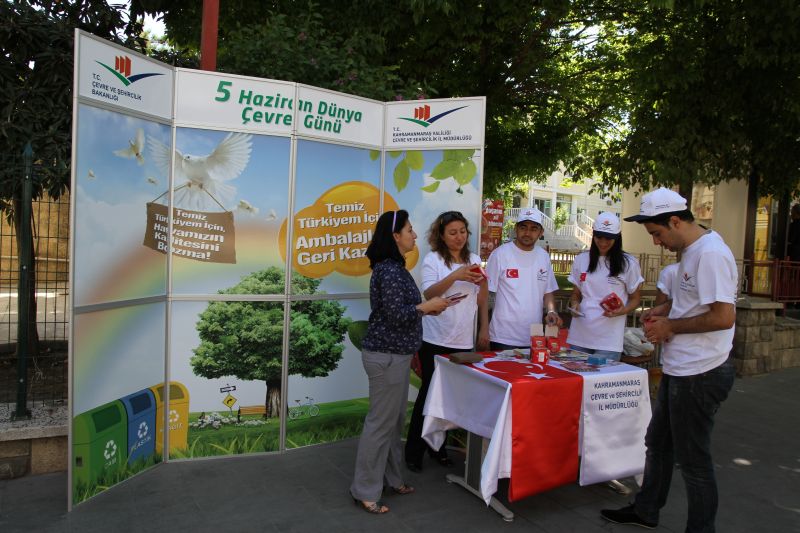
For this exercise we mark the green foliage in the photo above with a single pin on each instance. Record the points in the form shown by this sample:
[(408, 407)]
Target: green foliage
[(357, 330), (245, 339), (548, 84), (561, 216), (710, 94), (36, 40)]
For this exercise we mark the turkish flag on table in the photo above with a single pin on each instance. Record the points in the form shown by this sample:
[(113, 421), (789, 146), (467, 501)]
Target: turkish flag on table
[(545, 414)]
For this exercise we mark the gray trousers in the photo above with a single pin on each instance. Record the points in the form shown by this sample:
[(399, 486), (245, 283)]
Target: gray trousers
[(380, 451)]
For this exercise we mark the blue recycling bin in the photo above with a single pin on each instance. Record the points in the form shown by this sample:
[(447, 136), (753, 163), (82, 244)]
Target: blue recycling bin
[(141, 409)]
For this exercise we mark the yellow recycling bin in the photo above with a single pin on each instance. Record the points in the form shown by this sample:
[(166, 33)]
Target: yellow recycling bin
[(178, 416)]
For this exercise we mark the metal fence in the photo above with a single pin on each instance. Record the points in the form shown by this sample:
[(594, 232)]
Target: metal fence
[(46, 367), (651, 264), (778, 280)]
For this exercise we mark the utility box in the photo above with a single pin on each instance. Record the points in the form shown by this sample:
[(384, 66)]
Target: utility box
[(178, 416), (141, 410), (99, 442)]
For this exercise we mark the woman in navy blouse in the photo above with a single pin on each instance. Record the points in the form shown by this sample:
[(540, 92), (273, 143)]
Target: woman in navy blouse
[(393, 336)]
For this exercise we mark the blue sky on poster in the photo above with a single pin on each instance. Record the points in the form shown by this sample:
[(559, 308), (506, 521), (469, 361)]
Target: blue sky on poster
[(263, 184), (322, 166), (112, 192)]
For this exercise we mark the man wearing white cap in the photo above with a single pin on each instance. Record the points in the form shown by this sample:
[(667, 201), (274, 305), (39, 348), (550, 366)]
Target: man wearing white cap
[(696, 327), (522, 279)]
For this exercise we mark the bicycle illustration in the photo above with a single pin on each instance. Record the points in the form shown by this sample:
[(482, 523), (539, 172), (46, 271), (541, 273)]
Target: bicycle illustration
[(303, 409)]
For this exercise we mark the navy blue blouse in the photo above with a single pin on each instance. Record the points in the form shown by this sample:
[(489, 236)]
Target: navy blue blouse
[(395, 325)]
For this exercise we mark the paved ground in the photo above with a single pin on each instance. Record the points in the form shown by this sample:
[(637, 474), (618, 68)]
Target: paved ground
[(756, 448)]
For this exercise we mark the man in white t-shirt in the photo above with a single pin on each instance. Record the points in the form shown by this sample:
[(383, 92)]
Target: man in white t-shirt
[(522, 279), (696, 329)]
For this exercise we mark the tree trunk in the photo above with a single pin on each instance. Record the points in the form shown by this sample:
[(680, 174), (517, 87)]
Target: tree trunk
[(273, 398)]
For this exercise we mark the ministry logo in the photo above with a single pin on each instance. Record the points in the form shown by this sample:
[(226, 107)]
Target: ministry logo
[(422, 115), (122, 70)]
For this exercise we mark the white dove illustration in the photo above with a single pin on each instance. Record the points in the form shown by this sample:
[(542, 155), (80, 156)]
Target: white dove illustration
[(247, 207), (272, 215), (151, 180), (200, 181), (135, 148), (91, 175)]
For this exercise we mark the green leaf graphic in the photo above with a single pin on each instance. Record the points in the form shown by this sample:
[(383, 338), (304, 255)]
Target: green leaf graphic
[(445, 169), (466, 171), (415, 160), (374, 154), (401, 175), (432, 187), (462, 155), (394, 154)]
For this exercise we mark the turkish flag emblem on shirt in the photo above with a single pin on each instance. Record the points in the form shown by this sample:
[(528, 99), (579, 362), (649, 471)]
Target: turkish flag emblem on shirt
[(512, 273), (583, 276)]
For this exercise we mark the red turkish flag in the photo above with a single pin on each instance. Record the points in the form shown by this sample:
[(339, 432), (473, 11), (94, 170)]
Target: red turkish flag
[(512, 273), (545, 410)]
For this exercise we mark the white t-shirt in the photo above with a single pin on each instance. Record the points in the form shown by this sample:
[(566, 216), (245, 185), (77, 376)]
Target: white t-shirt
[(666, 278), (706, 274), (594, 330), (454, 327), (520, 280)]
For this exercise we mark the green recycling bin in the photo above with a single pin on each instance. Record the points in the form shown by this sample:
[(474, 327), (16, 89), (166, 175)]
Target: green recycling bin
[(99, 442)]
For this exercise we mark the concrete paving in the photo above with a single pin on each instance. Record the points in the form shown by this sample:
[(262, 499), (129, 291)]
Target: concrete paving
[(756, 449)]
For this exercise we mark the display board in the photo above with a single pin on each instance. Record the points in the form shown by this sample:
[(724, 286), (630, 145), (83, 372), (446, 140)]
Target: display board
[(220, 284)]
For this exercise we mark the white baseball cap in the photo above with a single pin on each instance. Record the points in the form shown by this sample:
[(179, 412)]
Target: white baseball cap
[(530, 213), (661, 201), (606, 225)]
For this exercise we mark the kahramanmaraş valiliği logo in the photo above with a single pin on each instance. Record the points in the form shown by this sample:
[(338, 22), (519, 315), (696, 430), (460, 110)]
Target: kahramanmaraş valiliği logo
[(122, 70), (422, 115)]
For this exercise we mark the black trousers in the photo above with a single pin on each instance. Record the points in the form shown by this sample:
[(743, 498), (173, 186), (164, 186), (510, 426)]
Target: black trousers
[(415, 445)]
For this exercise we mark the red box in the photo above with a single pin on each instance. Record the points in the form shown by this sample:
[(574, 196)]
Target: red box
[(538, 342), (612, 302), (477, 269), (563, 333), (553, 344), (540, 355)]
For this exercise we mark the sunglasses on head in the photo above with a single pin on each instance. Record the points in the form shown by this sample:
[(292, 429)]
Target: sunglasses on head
[(450, 216)]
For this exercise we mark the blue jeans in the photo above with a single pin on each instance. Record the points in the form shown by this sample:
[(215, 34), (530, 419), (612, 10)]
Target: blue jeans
[(680, 433), (608, 354)]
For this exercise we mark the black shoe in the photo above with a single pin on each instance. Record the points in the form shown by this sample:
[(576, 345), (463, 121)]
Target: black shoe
[(440, 458), (626, 515), (414, 467)]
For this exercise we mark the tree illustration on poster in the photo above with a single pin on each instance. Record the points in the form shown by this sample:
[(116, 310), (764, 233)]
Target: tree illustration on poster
[(244, 339)]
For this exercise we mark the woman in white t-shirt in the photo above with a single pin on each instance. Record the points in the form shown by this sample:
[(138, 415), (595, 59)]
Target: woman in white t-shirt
[(604, 269), (449, 270)]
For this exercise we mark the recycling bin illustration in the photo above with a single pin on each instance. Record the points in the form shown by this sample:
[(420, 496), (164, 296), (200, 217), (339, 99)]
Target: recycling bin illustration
[(141, 410), (178, 416), (99, 442)]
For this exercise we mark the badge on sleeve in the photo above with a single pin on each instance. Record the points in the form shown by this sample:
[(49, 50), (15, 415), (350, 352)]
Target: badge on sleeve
[(583, 276), (512, 273)]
